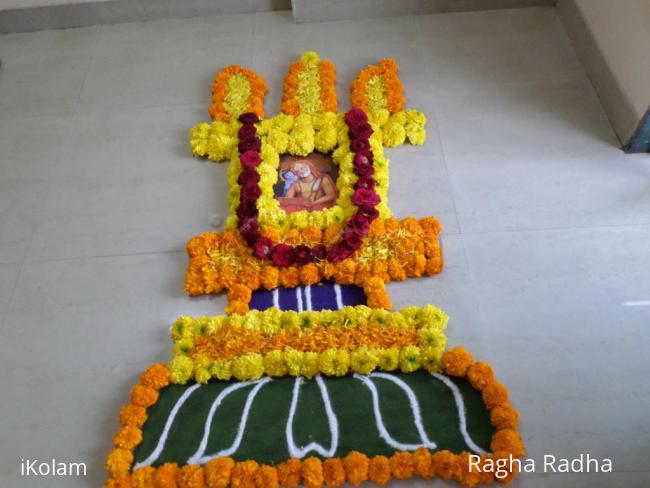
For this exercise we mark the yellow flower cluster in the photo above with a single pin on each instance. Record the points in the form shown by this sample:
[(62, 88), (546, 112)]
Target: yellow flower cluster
[(394, 129), (279, 343)]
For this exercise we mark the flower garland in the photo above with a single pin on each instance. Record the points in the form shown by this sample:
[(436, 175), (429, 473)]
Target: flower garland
[(394, 250), (354, 468), (280, 343), (309, 86), (364, 197), (377, 87), (237, 90)]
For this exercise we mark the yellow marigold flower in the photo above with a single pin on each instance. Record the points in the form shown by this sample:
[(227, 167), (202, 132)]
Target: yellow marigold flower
[(409, 359), (364, 360), (310, 365), (248, 367), (274, 363), (334, 362), (181, 368), (388, 359), (221, 369)]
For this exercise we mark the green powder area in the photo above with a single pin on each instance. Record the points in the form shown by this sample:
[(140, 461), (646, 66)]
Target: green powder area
[(264, 437)]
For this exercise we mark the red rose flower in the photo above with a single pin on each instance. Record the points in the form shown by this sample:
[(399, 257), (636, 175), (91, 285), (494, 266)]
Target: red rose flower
[(357, 145), (250, 159), (339, 252), (247, 209), (355, 117), (367, 182), (247, 132), (249, 118), (282, 255), (352, 239), (250, 192), (365, 197), (248, 175), (263, 247), (249, 144), (319, 252), (302, 255), (364, 170), (249, 229), (369, 212), (360, 131), (359, 224), (363, 157)]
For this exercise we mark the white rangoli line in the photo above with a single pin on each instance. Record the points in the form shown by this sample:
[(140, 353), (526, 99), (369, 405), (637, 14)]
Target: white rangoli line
[(276, 299), (298, 299), (339, 297), (415, 407), (199, 456), (460, 405), (308, 297), (383, 432), (168, 424), (300, 452)]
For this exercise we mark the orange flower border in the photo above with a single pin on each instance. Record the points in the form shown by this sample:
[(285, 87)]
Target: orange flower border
[(327, 75), (354, 468), (255, 103), (394, 250), (394, 91)]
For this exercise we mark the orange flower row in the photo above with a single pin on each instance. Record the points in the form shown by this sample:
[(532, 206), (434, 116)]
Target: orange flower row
[(328, 99), (255, 102), (354, 468), (393, 250), (393, 89), (327, 78), (230, 342), (289, 104)]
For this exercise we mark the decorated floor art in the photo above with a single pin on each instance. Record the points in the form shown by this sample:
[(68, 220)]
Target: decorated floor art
[(310, 379)]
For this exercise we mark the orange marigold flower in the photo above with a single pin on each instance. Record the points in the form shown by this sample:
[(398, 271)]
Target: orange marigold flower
[(133, 415), (237, 307), (495, 394), (333, 472), (434, 265), (196, 246), (292, 237), (396, 270), (312, 473), (379, 470), (468, 476), (119, 461), (191, 476), (445, 464), (480, 375), (143, 477), (271, 233), (266, 477), (289, 277), (431, 224), (156, 376), (377, 229), (269, 277), (289, 473), (456, 361), (309, 274), (401, 465), (332, 234), (121, 482), (128, 437), (166, 476), (143, 396), (312, 236), (503, 416), (508, 440), (423, 463), (243, 475), (217, 472), (356, 467)]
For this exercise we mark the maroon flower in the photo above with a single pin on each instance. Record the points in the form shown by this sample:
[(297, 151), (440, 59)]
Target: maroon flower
[(319, 252), (339, 252), (263, 247), (302, 254), (364, 170), (249, 118), (249, 229), (355, 117), (360, 131), (357, 145), (249, 144), (352, 239), (359, 224), (250, 159), (367, 182), (246, 209), (282, 255), (363, 158), (250, 192), (369, 212), (248, 175), (247, 132), (365, 197)]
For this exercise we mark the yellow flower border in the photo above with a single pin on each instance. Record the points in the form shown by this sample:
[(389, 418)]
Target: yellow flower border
[(425, 325), (354, 468)]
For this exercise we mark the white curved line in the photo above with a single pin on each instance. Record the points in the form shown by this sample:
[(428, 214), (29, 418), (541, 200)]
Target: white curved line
[(276, 298), (298, 299), (460, 405), (300, 452), (199, 456), (168, 424), (383, 432), (339, 297), (308, 297)]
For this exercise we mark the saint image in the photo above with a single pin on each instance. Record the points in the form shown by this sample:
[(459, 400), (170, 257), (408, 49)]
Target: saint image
[(306, 183)]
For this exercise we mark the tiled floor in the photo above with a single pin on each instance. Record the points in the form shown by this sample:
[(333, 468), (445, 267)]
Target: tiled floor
[(547, 222)]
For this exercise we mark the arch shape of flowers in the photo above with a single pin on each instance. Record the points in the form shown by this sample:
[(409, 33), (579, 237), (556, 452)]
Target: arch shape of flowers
[(365, 198)]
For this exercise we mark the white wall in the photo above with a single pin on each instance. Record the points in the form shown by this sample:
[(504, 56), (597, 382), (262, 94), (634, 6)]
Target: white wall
[(11, 4), (613, 40)]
